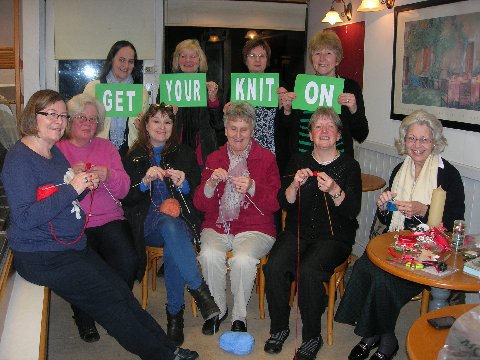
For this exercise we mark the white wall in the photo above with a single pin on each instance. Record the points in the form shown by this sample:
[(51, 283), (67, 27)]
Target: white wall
[(463, 147)]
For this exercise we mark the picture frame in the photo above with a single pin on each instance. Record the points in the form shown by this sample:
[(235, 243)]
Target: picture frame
[(436, 62)]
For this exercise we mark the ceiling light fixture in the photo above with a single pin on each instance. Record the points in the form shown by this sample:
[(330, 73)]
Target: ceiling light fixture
[(375, 5), (251, 34), (333, 16)]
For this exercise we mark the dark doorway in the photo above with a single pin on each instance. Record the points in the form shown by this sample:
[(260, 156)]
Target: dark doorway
[(225, 55)]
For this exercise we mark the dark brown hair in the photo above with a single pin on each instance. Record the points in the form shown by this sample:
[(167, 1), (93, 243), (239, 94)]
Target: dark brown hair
[(252, 44), (143, 139)]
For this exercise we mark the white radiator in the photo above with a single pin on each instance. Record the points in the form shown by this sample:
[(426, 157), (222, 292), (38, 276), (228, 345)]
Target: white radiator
[(379, 159)]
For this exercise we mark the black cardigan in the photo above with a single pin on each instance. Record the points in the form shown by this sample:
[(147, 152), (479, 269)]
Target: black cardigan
[(137, 203), (450, 180), (314, 217)]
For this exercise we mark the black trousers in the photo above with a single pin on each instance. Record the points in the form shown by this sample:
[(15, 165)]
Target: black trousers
[(86, 281), (113, 241), (318, 259)]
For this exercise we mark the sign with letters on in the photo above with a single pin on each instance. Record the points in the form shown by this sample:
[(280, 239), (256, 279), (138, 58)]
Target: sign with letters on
[(314, 91), (184, 90), (120, 100), (256, 89)]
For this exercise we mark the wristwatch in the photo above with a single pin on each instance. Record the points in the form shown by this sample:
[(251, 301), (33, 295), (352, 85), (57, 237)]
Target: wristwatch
[(337, 195)]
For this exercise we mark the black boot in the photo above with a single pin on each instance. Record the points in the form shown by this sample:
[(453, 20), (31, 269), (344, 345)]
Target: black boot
[(87, 330), (175, 327), (205, 301)]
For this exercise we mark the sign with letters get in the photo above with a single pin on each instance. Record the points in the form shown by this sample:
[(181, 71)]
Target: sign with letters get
[(184, 90), (314, 91), (120, 100), (256, 89)]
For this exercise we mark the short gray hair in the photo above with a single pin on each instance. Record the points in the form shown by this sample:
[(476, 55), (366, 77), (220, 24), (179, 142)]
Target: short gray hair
[(240, 109), (421, 117), (326, 111), (77, 104)]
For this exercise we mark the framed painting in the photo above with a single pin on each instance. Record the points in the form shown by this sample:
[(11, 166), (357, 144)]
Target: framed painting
[(436, 63)]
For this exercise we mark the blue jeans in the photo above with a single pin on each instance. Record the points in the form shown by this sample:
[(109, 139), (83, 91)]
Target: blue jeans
[(179, 257), (83, 279)]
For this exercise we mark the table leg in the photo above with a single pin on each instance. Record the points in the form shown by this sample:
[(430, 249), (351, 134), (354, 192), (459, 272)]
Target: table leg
[(439, 298)]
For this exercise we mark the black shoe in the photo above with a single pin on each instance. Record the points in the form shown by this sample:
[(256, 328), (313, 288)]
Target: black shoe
[(309, 349), (211, 326), (185, 354), (361, 351), (377, 355), (88, 332), (175, 327), (275, 343), (205, 301), (239, 326)]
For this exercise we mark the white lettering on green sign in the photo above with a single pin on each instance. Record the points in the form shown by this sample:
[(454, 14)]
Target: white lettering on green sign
[(326, 95), (189, 90), (108, 98), (257, 89)]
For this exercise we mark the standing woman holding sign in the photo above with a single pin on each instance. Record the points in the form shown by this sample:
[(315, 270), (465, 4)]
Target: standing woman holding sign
[(196, 126), (121, 67), (326, 52)]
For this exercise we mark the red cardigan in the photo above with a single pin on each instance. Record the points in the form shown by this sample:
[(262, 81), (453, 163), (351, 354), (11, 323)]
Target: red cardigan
[(263, 169)]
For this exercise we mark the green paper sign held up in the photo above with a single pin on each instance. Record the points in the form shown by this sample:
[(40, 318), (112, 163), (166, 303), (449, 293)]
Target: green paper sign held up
[(314, 91), (184, 90), (256, 89), (120, 100)]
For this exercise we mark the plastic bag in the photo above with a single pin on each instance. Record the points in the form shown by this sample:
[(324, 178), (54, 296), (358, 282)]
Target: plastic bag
[(463, 340)]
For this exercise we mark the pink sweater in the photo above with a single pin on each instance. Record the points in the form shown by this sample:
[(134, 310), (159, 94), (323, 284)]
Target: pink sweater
[(100, 152), (264, 171)]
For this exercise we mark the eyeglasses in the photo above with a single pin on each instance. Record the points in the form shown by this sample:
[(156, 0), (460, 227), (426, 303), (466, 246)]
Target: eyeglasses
[(82, 119), (54, 116), (422, 140), (257, 56), (154, 108)]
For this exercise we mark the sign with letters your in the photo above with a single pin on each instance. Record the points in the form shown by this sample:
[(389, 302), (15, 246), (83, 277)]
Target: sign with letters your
[(256, 89), (314, 91), (184, 90), (120, 100)]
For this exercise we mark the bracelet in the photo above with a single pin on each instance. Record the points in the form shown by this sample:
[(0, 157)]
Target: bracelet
[(337, 195)]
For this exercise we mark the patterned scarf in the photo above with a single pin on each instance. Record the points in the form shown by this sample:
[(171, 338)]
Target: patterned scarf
[(232, 200), (117, 124)]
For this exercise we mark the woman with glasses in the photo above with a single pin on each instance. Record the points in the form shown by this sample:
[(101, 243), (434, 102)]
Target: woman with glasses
[(325, 53), (121, 67), (46, 233), (107, 230), (374, 298), (256, 57), (197, 127), (164, 175)]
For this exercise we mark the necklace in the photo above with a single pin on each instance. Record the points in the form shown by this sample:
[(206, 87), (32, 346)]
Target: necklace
[(325, 162)]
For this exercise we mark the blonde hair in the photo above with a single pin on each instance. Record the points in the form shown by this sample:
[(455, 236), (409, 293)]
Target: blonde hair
[(326, 40), (190, 44)]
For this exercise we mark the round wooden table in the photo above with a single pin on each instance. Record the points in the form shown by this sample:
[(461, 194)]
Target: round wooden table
[(423, 341), (377, 251), (372, 182)]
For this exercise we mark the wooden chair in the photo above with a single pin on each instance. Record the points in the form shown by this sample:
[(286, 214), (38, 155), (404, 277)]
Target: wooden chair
[(335, 282), (153, 254), (259, 286)]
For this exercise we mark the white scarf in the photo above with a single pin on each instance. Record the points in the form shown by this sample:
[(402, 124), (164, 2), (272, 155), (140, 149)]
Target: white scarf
[(408, 188)]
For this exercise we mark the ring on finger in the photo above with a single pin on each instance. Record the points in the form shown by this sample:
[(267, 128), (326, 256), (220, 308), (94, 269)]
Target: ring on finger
[(86, 179)]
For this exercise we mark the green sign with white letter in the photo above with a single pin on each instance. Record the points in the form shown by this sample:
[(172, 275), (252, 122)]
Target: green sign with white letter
[(314, 91), (256, 89), (184, 90), (120, 100)]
